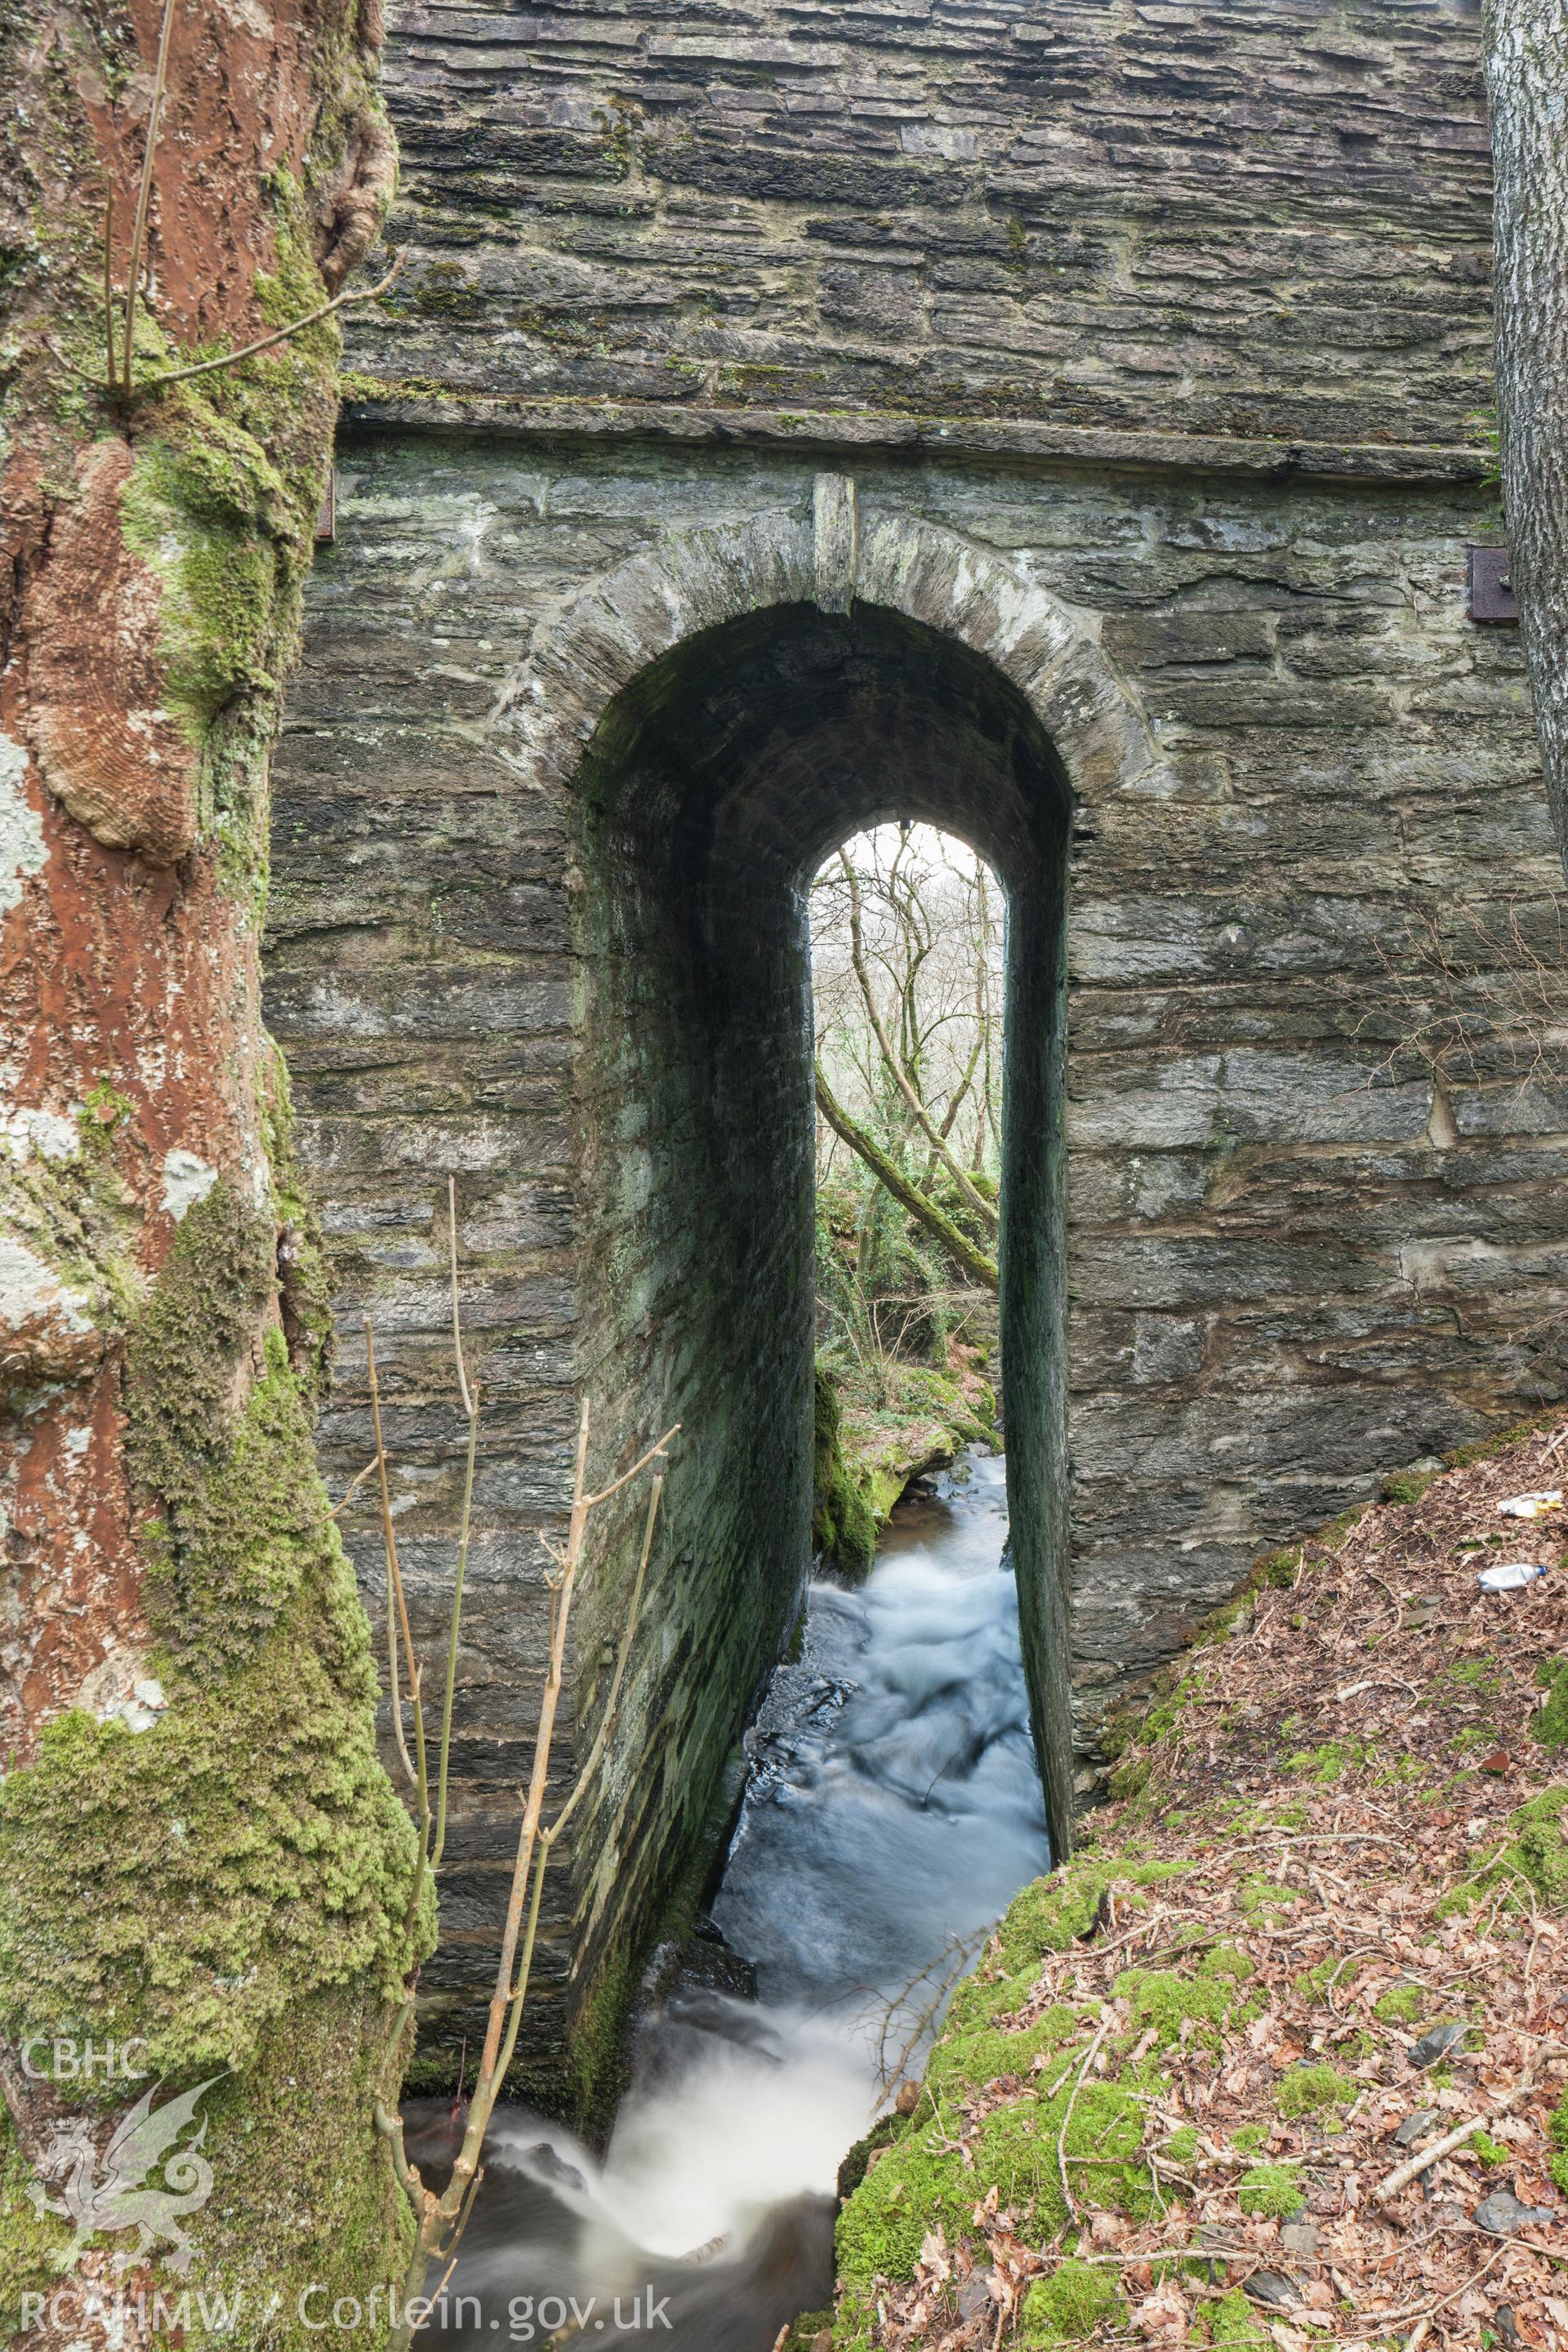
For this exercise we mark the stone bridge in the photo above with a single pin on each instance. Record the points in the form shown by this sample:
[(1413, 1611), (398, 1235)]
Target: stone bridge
[(1049, 418)]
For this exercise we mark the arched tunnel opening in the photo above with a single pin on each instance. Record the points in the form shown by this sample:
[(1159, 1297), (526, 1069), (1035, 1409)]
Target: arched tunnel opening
[(713, 787)]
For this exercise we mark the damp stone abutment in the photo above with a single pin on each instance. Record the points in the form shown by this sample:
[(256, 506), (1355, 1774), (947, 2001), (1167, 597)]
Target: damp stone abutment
[(574, 726)]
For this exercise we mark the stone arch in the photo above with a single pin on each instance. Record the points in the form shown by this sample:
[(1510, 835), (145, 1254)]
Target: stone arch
[(599, 640), (711, 716)]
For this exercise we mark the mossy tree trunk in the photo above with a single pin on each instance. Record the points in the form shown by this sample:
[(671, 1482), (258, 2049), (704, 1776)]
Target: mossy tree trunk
[(199, 1854)]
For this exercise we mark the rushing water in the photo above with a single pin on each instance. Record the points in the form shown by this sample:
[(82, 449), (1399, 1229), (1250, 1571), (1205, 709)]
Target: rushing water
[(891, 1810)]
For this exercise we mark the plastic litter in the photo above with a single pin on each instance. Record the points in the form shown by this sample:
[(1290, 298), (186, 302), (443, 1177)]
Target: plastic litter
[(1511, 1575), (1531, 1507)]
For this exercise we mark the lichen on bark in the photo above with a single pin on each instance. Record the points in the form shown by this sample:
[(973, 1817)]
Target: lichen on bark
[(216, 1867)]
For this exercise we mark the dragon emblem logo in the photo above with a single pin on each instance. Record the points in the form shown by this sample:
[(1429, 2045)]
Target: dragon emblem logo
[(111, 2192)]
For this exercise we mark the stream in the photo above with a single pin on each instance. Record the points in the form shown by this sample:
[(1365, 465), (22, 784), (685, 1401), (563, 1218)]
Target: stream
[(892, 1809)]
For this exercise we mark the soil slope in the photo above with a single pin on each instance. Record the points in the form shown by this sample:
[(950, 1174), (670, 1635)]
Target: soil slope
[(1320, 1930)]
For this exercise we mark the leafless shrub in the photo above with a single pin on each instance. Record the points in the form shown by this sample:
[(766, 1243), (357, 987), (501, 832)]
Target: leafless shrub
[(441, 2216)]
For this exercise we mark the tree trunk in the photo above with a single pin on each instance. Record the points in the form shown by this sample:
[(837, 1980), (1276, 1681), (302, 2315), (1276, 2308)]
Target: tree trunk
[(201, 1867), (974, 1262), (1527, 87)]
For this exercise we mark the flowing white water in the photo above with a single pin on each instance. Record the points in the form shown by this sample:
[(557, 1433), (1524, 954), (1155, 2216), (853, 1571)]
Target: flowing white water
[(892, 1809)]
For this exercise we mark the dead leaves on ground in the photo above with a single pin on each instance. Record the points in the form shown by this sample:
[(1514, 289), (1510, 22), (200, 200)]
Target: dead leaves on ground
[(1338, 1768)]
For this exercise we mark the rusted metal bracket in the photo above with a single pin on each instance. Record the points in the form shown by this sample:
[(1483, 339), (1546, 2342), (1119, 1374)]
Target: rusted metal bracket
[(1491, 597)]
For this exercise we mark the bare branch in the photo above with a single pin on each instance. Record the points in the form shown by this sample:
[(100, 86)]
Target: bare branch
[(973, 1260), (280, 335), (395, 1595), (144, 192)]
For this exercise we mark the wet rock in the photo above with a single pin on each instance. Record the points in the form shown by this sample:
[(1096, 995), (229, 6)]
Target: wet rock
[(546, 2163), (1502, 2214), (1503, 2321), (1268, 2288), (974, 2295), (1415, 2127), (1439, 2041), (708, 1964), (730, 2021)]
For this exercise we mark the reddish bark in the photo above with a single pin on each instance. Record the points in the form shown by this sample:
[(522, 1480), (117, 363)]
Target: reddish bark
[(129, 987), (151, 551)]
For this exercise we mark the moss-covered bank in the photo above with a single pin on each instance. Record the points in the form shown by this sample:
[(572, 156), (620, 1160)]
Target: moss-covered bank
[(868, 1450)]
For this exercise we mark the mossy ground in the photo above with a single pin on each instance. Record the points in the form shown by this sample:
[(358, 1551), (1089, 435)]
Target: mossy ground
[(1291, 1889)]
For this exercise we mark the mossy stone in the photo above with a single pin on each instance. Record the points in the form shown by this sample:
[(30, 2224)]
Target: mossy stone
[(843, 1523)]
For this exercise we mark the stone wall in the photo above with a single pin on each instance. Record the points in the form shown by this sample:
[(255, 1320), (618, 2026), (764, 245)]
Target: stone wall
[(1050, 421), (1291, 1264), (1222, 218)]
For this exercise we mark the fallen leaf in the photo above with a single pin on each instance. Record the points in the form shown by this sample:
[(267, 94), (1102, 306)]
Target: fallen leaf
[(1164, 2312)]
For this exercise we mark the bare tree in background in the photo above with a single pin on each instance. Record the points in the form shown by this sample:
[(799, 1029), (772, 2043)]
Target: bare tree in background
[(1526, 45), (906, 935)]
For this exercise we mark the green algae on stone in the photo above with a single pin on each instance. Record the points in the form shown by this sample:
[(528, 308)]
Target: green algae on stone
[(843, 1525), (598, 2057)]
